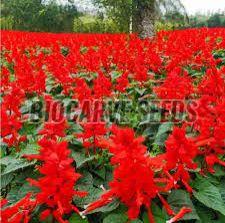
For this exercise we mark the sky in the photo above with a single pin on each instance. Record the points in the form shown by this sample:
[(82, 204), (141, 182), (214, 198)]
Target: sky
[(192, 6)]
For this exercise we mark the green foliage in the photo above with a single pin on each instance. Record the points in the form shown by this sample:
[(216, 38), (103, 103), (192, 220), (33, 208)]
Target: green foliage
[(12, 164), (163, 133), (23, 12), (6, 179), (209, 195), (126, 13), (119, 11), (75, 218), (6, 23), (91, 24), (36, 15), (207, 215), (213, 20), (207, 202), (169, 25), (160, 215), (181, 198), (119, 218)]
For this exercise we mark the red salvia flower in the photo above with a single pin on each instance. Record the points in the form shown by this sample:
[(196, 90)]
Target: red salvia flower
[(19, 212), (59, 177), (180, 155), (177, 85)]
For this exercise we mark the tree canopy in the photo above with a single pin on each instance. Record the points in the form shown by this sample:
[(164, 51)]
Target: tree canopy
[(40, 15), (126, 13)]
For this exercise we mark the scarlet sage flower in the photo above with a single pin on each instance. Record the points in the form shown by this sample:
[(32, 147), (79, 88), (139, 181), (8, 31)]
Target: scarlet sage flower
[(19, 212), (5, 74), (82, 91), (180, 155), (28, 68), (177, 78), (53, 129), (210, 122), (56, 124), (180, 150), (122, 82), (11, 118), (59, 177), (92, 133), (102, 86), (133, 179), (11, 123)]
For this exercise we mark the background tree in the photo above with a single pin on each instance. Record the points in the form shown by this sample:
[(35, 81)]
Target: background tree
[(215, 20), (57, 18), (139, 15), (40, 15), (25, 13), (208, 20)]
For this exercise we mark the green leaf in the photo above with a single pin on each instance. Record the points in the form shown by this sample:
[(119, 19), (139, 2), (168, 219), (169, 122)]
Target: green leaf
[(115, 75), (7, 160), (219, 171), (18, 192), (29, 128), (136, 221), (17, 165), (115, 218), (209, 195), (164, 128), (5, 180), (222, 189), (162, 133), (205, 214), (100, 173), (213, 179), (208, 215), (85, 183), (75, 218), (26, 188), (31, 148), (158, 213), (140, 91), (93, 194), (180, 198), (107, 208), (146, 220), (151, 131), (81, 159)]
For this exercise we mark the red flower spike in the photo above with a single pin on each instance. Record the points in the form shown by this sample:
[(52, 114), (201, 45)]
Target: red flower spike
[(59, 177), (180, 155), (176, 78), (131, 165)]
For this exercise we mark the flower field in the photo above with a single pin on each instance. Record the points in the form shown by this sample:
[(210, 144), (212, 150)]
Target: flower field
[(110, 128)]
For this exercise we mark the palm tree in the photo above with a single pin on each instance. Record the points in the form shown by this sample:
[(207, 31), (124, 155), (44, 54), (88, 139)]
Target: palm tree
[(139, 15)]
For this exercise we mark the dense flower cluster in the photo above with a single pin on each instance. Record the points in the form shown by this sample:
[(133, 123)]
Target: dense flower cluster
[(56, 185), (178, 65), (134, 181)]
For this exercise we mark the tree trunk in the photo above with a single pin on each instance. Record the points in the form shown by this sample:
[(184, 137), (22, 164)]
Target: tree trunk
[(144, 18)]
